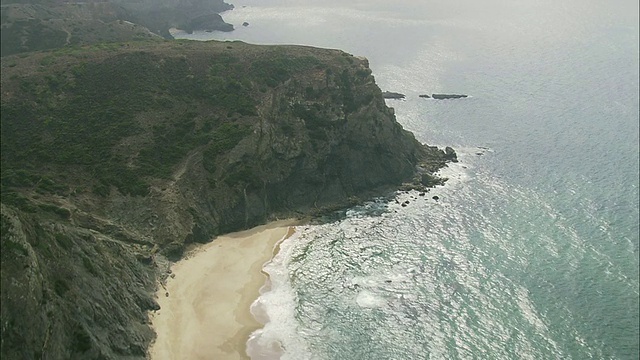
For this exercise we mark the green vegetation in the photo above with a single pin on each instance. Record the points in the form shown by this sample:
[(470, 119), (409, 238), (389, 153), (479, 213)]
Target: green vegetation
[(171, 142), (223, 139), (243, 175), (81, 116), (121, 114), (64, 241), (277, 69), (347, 94), (30, 35), (59, 211)]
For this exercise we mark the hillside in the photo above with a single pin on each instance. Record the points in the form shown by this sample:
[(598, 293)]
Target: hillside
[(116, 156), (32, 25)]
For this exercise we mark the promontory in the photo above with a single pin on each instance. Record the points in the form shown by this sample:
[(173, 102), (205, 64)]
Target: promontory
[(116, 156)]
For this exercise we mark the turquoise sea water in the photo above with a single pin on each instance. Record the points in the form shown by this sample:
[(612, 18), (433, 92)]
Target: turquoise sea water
[(532, 250)]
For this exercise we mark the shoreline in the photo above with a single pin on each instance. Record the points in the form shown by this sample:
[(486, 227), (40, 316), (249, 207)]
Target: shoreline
[(254, 348), (207, 312)]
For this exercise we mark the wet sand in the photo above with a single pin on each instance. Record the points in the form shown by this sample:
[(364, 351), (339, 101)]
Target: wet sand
[(207, 312)]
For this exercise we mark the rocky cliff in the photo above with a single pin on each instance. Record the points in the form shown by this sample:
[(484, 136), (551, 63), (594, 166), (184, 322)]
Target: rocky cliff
[(114, 158)]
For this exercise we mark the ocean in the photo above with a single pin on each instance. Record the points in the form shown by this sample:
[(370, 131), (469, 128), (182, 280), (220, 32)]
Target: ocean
[(531, 250)]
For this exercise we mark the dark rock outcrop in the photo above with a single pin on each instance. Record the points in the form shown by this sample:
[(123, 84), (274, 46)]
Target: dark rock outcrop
[(429, 180), (450, 154), (188, 15), (447, 96), (392, 95), (209, 22)]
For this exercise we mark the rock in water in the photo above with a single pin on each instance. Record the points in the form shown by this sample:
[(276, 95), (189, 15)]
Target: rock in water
[(447, 96), (392, 95), (450, 154)]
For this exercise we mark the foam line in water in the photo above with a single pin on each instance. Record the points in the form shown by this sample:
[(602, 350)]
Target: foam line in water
[(275, 308)]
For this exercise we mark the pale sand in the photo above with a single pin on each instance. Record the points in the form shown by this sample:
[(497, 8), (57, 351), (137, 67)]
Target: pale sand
[(207, 313)]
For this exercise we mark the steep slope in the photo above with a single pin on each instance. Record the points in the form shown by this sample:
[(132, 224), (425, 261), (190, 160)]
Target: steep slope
[(116, 157), (32, 25)]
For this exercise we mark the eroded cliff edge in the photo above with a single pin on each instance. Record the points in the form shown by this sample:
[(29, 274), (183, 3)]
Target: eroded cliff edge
[(114, 158)]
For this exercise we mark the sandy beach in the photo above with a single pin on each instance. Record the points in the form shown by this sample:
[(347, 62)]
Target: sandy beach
[(206, 314)]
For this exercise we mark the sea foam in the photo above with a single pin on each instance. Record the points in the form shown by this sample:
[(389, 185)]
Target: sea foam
[(275, 308)]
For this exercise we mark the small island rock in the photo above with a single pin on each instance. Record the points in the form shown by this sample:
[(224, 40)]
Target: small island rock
[(450, 154), (448, 96), (392, 95)]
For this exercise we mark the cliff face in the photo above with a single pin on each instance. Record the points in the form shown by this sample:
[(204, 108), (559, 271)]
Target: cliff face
[(69, 292), (114, 159)]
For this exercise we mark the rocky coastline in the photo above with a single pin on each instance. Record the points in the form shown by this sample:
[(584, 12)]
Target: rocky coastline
[(32, 26), (245, 134)]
